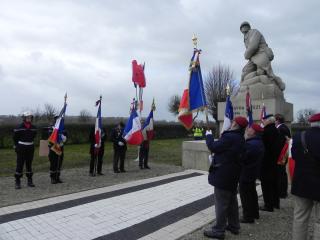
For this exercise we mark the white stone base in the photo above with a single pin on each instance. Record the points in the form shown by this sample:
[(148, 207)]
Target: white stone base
[(195, 155)]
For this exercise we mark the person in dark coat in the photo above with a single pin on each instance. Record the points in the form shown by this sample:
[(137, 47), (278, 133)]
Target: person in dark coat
[(56, 157), (224, 175), (96, 153), (285, 135), (119, 148), (269, 173), (23, 137), (250, 171), (144, 154), (306, 180)]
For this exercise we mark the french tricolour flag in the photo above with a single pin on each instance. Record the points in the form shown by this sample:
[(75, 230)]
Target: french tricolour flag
[(98, 126), (249, 109), (55, 137), (228, 115), (263, 112), (147, 131), (132, 132)]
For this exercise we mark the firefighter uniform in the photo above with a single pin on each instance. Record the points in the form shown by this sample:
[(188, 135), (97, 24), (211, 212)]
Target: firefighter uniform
[(23, 137)]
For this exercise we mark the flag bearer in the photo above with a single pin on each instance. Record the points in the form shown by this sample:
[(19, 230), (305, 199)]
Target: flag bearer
[(23, 138), (119, 148), (56, 154)]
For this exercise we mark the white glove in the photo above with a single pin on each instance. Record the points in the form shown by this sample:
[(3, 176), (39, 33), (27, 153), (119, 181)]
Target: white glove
[(63, 138), (208, 132), (210, 158), (120, 143)]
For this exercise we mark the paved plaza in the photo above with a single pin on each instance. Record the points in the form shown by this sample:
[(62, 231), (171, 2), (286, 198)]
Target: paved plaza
[(166, 207)]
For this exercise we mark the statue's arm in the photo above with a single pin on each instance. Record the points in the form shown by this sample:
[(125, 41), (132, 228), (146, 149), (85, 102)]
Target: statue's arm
[(253, 46)]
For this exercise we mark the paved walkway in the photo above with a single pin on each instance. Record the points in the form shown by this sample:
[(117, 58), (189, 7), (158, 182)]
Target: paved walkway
[(165, 207)]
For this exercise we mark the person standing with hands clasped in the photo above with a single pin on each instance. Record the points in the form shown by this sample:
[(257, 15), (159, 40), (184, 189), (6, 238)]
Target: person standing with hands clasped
[(119, 148), (224, 174), (306, 180), (23, 137)]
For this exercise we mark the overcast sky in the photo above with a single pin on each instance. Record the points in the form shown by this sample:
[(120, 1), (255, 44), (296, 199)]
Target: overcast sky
[(86, 48)]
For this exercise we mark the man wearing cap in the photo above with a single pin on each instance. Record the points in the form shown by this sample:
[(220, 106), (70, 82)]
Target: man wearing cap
[(55, 157), (269, 175), (285, 135), (306, 180), (224, 174), (119, 148), (23, 137), (250, 171)]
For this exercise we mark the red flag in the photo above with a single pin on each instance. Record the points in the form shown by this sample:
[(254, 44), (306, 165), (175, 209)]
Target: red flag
[(138, 77), (185, 116)]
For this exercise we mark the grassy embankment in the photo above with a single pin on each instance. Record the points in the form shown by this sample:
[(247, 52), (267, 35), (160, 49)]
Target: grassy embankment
[(161, 151)]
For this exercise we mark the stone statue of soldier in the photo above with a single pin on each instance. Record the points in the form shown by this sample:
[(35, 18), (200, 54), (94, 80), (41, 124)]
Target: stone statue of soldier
[(259, 57)]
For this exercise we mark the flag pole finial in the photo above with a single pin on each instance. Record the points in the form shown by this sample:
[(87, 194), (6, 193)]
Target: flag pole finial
[(65, 97), (228, 89), (195, 40), (153, 105)]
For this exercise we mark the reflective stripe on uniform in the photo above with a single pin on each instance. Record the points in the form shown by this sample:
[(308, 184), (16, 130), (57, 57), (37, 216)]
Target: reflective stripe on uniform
[(25, 143)]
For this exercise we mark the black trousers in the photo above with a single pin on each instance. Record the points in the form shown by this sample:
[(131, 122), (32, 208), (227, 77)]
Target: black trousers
[(99, 160), (119, 155), (269, 186), (24, 156), (55, 163), (143, 156), (227, 211), (282, 181), (249, 201)]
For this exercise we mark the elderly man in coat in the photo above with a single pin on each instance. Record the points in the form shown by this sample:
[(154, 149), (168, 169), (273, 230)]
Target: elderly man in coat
[(306, 180), (250, 171), (269, 173), (224, 175)]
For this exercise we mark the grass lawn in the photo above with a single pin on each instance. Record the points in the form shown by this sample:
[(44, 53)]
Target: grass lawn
[(161, 151)]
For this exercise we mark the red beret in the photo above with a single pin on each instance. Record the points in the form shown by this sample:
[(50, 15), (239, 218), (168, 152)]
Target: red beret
[(256, 127), (241, 121), (315, 118)]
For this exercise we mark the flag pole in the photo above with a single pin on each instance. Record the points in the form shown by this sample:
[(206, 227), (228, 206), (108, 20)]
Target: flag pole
[(195, 45)]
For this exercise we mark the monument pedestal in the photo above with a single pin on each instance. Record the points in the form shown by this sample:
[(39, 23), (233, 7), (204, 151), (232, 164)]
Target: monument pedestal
[(274, 102), (195, 155)]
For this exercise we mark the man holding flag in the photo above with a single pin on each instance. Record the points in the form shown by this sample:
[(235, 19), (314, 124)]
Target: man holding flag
[(119, 148), (148, 133), (97, 138), (58, 137)]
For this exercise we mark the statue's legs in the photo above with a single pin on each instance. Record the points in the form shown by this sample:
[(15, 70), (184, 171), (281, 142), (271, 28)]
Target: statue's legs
[(248, 68)]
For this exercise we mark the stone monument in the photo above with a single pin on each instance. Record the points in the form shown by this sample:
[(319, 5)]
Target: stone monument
[(257, 77)]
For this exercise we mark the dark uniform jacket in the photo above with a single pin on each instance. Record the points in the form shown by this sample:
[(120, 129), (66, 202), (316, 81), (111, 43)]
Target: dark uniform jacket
[(284, 132), (251, 162), (116, 137), (306, 177), (272, 145), (225, 168), (92, 139), (23, 134)]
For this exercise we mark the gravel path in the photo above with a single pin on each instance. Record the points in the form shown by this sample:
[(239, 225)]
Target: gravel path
[(270, 226), (76, 180)]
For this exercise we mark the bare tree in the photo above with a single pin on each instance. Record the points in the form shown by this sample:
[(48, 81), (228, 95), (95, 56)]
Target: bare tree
[(173, 105), (215, 87), (37, 114), (49, 111), (304, 114), (84, 116)]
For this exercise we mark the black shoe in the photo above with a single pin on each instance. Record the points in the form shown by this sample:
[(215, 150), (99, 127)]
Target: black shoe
[(147, 167), (234, 232), (141, 167), (210, 234), (100, 174), (17, 186), (59, 180), (123, 170), (243, 220), (266, 209), (116, 171), (30, 183)]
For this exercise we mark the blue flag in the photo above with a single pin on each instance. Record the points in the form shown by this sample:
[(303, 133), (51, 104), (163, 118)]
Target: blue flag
[(197, 97)]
